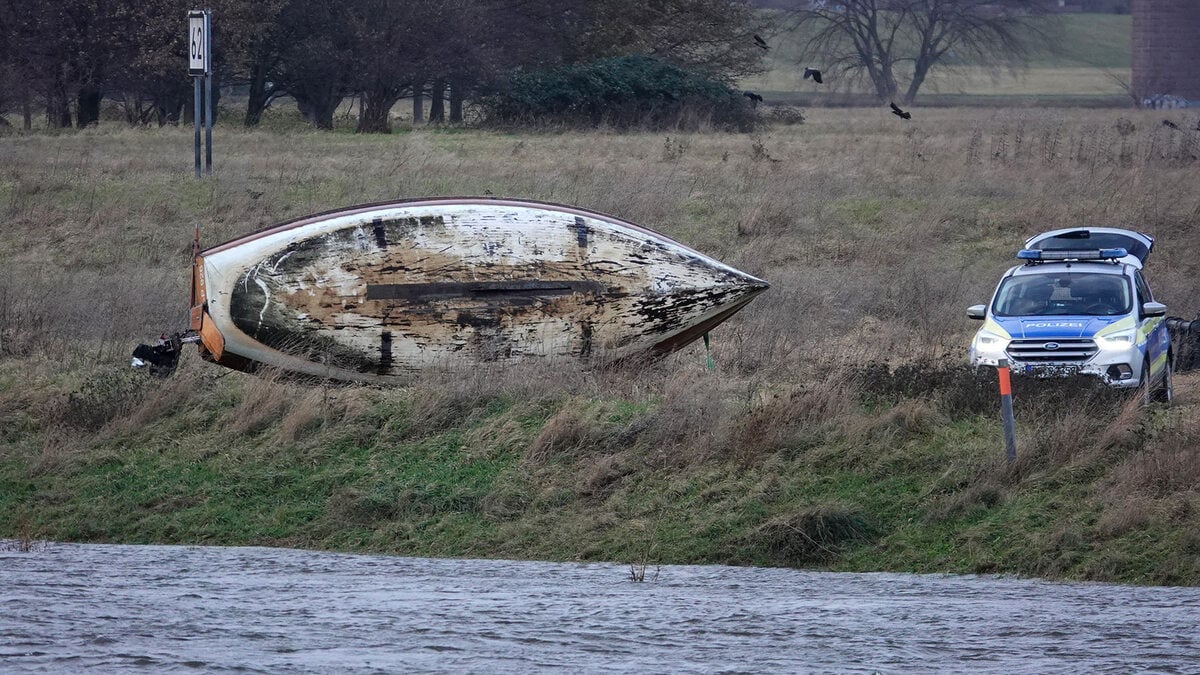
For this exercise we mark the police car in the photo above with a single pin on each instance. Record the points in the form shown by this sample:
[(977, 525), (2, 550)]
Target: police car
[(1079, 305)]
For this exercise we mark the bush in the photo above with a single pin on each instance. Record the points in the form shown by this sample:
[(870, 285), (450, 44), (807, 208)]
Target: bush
[(105, 396), (963, 391), (622, 92), (814, 534)]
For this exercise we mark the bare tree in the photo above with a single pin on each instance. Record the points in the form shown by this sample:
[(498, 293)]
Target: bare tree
[(251, 42), (895, 43), (147, 80), (316, 58), (712, 36), (71, 52), (393, 46)]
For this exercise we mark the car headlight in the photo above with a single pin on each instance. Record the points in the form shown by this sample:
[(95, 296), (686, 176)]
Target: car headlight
[(1119, 340), (987, 341)]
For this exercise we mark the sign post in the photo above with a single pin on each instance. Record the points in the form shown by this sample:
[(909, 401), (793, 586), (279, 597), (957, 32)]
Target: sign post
[(1006, 410), (200, 68)]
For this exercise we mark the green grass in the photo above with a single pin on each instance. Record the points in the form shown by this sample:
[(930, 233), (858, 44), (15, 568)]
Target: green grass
[(929, 497), (1090, 40)]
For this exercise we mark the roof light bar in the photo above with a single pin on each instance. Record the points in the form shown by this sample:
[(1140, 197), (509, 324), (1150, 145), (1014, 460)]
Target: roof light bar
[(1093, 254)]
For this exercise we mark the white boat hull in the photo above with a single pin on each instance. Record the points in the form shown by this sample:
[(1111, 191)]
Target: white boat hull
[(379, 292)]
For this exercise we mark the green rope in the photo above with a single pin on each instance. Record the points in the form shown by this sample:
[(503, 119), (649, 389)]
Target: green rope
[(708, 354)]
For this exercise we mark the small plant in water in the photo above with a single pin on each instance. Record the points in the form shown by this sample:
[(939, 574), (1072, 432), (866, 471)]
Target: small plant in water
[(26, 541), (637, 569)]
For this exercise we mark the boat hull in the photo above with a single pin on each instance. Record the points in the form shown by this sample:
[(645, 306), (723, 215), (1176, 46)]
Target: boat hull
[(382, 291)]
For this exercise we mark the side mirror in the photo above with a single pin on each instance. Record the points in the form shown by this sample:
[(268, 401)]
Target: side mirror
[(980, 311), (1153, 309)]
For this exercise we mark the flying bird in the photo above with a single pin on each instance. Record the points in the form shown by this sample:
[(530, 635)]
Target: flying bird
[(1169, 123), (755, 99), (813, 73), (760, 42), (902, 114)]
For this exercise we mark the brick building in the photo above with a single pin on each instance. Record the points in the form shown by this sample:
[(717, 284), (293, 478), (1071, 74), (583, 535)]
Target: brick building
[(1166, 50)]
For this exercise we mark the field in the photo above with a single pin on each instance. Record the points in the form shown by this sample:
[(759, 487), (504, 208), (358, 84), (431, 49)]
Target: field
[(838, 429), (1090, 63)]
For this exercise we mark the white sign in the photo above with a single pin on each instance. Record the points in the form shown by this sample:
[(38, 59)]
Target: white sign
[(198, 44)]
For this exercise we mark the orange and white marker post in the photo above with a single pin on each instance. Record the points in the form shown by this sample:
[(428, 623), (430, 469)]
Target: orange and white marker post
[(1006, 410)]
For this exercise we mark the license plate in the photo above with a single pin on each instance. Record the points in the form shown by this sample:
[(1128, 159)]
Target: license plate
[(1051, 371)]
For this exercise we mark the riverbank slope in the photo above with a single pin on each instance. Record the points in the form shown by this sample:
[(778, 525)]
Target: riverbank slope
[(836, 431)]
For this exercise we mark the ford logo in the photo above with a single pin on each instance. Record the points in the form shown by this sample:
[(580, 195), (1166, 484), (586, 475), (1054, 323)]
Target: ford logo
[(1050, 346)]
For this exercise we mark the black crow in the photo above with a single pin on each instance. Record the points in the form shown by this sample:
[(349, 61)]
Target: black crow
[(1169, 123), (813, 73), (900, 113), (760, 42)]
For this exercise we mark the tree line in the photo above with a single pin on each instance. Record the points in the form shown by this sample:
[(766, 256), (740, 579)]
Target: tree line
[(62, 59)]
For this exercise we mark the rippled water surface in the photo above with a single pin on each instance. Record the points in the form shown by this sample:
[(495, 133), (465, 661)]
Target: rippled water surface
[(156, 608)]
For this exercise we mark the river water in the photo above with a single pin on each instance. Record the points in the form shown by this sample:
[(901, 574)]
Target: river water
[(173, 608)]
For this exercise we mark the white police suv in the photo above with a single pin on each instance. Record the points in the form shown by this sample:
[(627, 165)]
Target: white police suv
[(1079, 306)]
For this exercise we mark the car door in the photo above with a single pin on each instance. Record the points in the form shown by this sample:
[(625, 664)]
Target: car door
[(1158, 340), (1138, 245)]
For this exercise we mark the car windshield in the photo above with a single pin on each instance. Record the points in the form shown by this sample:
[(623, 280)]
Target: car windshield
[(1057, 294)]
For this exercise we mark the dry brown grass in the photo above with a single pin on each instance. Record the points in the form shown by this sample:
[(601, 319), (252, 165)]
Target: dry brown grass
[(1070, 436), (1168, 464), (488, 441), (874, 233), (307, 414), (569, 430), (777, 419), (603, 473), (187, 390), (906, 419), (264, 401), (59, 449), (1125, 516)]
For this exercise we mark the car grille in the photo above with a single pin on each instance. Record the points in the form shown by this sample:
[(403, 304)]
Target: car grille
[(1068, 350)]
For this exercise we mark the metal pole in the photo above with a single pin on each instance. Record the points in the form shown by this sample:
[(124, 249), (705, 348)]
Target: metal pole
[(208, 112), (196, 116), (208, 122), (1006, 410)]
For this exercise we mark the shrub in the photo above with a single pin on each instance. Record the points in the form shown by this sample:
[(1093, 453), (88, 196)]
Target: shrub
[(963, 391), (623, 92), (814, 534), (103, 397)]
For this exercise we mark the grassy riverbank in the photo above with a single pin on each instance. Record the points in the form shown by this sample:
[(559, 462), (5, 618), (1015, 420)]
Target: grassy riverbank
[(796, 450)]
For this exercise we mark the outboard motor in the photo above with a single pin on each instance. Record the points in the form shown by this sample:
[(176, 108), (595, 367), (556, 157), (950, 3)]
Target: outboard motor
[(162, 357)]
